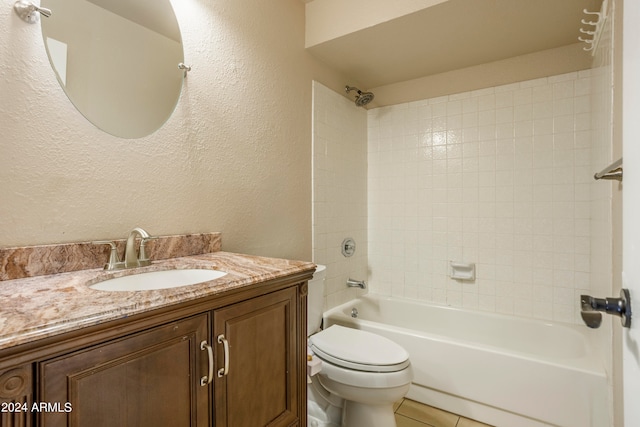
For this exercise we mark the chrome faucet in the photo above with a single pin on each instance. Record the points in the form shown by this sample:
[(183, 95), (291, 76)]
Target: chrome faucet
[(591, 309), (131, 258), (356, 284)]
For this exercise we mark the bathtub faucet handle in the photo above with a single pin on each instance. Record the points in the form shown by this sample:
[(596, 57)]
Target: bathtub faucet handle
[(356, 284)]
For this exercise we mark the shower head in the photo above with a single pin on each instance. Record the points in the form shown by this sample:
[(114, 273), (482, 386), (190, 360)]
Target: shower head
[(362, 98)]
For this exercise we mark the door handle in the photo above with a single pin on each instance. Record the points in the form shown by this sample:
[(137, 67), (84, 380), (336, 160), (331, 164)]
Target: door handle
[(591, 309), (224, 371), (207, 378)]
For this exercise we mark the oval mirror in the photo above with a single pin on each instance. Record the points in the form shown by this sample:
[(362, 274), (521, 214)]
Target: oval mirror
[(117, 61)]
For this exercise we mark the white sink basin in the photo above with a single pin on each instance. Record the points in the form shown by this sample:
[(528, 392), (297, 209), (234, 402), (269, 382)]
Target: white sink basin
[(165, 279)]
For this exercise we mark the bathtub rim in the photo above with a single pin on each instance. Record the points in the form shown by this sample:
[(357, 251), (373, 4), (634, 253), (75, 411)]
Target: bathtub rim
[(589, 363)]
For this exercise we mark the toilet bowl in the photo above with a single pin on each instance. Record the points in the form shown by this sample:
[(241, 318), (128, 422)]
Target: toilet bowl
[(361, 376)]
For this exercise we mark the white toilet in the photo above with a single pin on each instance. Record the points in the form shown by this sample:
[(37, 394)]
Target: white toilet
[(361, 374)]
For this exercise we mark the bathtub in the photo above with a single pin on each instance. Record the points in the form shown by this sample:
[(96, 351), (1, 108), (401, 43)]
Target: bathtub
[(498, 369)]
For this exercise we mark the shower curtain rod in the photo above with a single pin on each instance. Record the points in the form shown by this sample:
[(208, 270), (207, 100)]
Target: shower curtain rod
[(613, 171)]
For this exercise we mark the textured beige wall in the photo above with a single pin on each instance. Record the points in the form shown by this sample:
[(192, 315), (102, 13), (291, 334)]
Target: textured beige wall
[(235, 156)]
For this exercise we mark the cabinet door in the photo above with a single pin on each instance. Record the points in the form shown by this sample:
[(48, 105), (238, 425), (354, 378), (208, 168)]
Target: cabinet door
[(149, 379), (16, 400), (261, 385)]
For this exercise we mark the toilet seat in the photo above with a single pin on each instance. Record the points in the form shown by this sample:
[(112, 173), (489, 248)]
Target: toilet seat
[(358, 350), (373, 381)]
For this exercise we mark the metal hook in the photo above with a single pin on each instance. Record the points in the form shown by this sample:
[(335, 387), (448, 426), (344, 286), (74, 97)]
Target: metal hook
[(598, 24), (588, 42), (184, 67), (585, 11), (29, 12)]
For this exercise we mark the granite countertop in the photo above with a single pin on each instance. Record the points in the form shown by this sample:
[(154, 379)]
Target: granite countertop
[(37, 307)]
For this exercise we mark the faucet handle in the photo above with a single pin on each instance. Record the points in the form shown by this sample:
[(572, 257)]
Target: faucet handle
[(114, 259), (142, 254)]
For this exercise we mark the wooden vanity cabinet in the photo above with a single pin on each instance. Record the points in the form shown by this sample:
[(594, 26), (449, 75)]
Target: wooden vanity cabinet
[(148, 372)]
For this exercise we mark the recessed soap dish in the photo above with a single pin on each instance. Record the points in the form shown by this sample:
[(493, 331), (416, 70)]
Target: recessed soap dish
[(462, 270)]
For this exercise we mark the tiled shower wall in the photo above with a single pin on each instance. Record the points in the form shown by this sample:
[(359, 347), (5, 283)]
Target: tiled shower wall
[(339, 190), (500, 178)]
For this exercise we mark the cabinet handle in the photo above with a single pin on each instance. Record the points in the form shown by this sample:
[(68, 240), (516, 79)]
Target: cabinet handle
[(207, 378), (224, 371)]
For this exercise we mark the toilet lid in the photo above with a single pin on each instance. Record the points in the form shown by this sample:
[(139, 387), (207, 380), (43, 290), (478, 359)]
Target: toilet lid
[(359, 350)]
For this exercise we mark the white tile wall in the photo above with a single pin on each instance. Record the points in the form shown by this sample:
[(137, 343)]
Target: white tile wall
[(499, 177), (339, 190)]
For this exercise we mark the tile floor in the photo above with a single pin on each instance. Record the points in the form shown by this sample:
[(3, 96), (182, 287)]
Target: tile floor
[(413, 414)]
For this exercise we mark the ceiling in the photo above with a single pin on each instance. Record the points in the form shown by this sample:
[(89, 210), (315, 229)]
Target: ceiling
[(452, 35)]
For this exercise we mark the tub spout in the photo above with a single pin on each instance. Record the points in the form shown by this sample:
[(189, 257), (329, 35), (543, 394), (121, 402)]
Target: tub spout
[(356, 284), (591, 319), (591, 309)]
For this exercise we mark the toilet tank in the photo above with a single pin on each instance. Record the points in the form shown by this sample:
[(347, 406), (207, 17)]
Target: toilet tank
[(315, 300)]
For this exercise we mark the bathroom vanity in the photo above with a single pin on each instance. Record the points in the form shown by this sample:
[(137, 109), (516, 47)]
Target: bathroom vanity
[(229, 352)]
